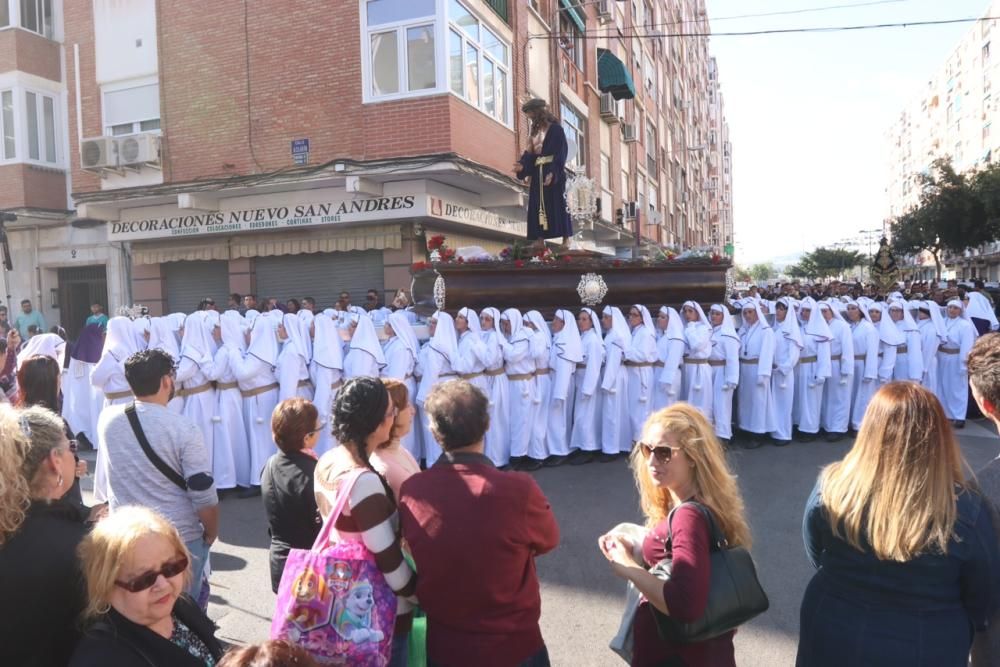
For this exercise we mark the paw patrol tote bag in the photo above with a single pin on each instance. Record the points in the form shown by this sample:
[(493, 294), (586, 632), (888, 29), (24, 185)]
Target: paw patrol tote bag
[(333, 600)]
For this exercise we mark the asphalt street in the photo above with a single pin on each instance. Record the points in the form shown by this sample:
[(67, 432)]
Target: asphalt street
[(581, 600)]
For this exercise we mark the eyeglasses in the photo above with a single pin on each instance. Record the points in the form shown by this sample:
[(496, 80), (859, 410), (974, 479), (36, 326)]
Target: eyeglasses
[(662, 454), (147, 579)]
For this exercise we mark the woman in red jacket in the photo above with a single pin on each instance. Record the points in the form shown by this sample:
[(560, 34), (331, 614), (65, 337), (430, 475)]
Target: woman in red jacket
[(678, 459)]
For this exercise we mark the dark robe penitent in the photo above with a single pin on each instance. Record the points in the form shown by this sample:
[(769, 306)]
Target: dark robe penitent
[(547, 214)]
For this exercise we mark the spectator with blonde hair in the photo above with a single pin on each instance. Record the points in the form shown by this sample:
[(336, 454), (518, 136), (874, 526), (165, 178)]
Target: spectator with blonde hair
[(906, 557), (136, 568), (39, 532), (678, 459)]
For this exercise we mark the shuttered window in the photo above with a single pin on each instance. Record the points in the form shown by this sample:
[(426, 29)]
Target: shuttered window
[(190, 282)]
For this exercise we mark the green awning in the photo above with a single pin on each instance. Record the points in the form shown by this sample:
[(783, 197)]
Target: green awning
[(613, 77), (570, 8)]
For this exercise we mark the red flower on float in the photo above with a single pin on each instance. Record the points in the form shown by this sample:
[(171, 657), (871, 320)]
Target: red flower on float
[(617, 263), (519, 263), (416, 267), (435, 242), (716, 258)]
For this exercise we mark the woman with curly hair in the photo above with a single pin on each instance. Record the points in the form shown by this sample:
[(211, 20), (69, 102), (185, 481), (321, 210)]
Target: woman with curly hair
[(678, 459), (40, 530), (363, 417)]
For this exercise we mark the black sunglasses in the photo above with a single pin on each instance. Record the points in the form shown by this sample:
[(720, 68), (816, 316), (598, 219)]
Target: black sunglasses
[(662, 454), (147, 579)]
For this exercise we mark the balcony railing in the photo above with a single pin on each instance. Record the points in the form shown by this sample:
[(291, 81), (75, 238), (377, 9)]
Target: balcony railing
[(500, 7)]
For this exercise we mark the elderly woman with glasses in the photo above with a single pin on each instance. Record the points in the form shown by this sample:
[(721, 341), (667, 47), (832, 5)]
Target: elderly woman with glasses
[(135, 565), (287, 482)]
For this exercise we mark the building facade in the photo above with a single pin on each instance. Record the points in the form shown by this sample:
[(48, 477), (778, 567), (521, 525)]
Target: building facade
[(953, 117), (62, 269), (203, 149)]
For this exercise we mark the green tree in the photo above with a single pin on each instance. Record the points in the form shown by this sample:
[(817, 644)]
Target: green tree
[(825, 263), (956, 212), (762, 272)]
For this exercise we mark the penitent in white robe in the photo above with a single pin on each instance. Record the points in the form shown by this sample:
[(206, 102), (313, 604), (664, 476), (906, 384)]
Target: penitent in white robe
[(252, 373), (201, 407), (230, 434), (786, 358), (616, 426), (435, 369), (519, 362), (497, 445), (953, 374), (698, 388), (929, 344), (836, 411), (809, 382), (866, 362), (293, 375), (560, 405), (540, 348), (82, 401), (909, 364), (724, 362), (668, 380), (400, 364), (586, 433), (755, 410), (640, 357)]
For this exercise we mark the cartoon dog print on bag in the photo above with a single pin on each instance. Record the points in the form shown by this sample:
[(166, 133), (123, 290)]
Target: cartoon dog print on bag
[(352, 614), (312, 600)]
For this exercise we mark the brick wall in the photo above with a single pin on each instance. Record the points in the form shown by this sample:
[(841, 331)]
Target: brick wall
[(78, 20), (33, 187), (29, 53)]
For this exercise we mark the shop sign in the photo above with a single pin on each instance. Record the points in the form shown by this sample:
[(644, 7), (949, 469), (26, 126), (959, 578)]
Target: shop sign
[(444, 209), (183, 224)]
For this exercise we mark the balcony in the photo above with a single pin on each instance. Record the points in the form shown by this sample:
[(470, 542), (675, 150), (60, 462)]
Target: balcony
[(569, 73)]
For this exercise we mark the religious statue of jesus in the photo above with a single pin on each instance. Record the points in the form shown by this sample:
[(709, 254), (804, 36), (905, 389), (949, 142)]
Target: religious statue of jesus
[(544, 165)]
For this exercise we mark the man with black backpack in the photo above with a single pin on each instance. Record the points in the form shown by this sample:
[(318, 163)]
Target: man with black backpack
[(157, 458)]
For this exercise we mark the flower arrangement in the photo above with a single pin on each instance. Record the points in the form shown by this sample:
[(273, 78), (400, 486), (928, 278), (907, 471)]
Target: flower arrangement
[(436, 242)]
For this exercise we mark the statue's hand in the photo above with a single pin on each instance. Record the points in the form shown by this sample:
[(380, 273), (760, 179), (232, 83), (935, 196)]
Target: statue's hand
[(549, 179)]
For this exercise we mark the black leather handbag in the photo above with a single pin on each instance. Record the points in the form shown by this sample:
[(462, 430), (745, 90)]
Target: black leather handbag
[(734, 595)]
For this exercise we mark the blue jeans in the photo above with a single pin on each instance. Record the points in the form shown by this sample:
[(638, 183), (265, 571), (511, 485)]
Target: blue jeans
[(199, 556), (400, 651), (540, 659)]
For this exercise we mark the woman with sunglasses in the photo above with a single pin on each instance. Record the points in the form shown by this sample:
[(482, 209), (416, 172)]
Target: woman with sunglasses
[(135, 565), (678, 459), (39, 533), (287, 482)]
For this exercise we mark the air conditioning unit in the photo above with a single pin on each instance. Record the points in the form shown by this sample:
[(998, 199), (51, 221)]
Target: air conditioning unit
[(99, 153), (609, 108), (604, 8), (628, 133), (139, 149)]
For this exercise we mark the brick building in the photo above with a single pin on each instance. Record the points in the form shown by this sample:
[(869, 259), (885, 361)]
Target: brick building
[(60, 268), (289, 149)]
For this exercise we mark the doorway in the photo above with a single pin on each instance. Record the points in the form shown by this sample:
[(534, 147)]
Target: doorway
[(79, 287)]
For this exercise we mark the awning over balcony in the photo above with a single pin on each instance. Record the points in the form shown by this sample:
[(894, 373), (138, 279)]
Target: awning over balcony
[(574, 14), (613, 77)]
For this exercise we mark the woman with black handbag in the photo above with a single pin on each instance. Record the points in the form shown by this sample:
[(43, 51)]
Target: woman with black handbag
[(693, 508)]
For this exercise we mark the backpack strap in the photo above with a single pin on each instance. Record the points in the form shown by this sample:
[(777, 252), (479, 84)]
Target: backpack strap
[(718, 539)]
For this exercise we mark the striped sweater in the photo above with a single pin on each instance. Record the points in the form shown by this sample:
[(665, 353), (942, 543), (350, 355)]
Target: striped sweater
[(371, 517)]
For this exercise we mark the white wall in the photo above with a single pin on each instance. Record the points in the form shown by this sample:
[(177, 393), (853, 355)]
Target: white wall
[(125, 39)]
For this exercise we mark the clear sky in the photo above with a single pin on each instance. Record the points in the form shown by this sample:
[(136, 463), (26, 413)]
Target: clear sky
[(808, 113)]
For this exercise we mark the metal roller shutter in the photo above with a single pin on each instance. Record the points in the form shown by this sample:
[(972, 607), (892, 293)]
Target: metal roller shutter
[(321, 275), (190, 282)]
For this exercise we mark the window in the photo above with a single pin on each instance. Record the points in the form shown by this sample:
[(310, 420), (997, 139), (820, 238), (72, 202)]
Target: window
[(7, 124), (654, 202), (478, 63), (400, 38), (570, 39), (651, 146), (40, 119), (986, 53), (132, 110), (36, 16), (986, 131), (606, 196), (575, 127)]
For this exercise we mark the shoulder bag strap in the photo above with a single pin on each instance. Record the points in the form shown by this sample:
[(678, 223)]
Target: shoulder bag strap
[(343, 494), (158, 463), (718, 540)]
